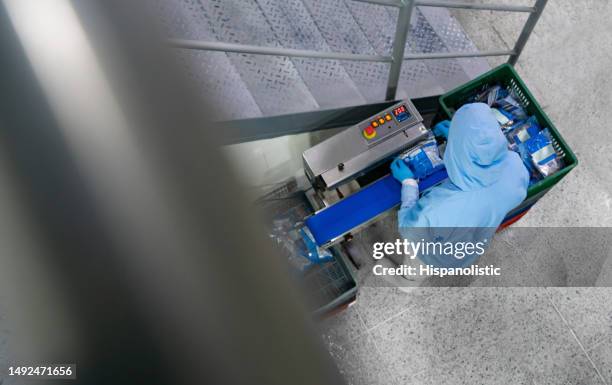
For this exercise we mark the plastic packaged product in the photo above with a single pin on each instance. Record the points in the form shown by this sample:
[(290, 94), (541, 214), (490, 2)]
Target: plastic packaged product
[(425, 159), (496, 93), (502, 118), (298, 245), (499, 97), (507, 114), (290, 243), (490, 95), (509, 104), (534, 174), (310, 250), (542, 153), (523, 131), (513, 147)]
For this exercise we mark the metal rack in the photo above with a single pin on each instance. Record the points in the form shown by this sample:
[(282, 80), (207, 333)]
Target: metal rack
[(402, 29)]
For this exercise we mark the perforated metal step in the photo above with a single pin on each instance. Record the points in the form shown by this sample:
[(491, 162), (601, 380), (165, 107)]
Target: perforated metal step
[(294, 27), (212, 73), (378, 24), (270, 85)]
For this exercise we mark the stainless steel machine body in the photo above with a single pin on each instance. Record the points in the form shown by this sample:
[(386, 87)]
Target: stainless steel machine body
[(354, 151)]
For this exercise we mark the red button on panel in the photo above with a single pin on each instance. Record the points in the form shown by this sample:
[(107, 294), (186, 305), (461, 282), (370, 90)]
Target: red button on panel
[(369, 132)]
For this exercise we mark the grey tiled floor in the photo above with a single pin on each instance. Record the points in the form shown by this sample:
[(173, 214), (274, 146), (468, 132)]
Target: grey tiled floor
[(512, 335), (474, 336)]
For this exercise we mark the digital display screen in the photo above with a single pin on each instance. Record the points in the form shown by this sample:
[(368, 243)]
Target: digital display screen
[(401, 113)]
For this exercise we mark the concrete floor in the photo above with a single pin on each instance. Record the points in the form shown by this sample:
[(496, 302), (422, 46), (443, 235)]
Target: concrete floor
[(519, 335)]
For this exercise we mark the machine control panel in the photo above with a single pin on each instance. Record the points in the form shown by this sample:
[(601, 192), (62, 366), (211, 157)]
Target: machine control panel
[(353, 151), (387, 123)]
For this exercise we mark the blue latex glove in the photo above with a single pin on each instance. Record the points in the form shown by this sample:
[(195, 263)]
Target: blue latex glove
[(400, 170), (441, 129)]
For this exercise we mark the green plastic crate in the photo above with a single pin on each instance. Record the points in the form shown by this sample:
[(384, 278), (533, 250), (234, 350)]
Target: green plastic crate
[(505, 75)]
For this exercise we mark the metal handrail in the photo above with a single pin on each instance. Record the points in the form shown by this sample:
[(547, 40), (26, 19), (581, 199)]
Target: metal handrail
[(276, 51), (455, 4), (475, 7), (387, 3), (399, 42), (452, 55)]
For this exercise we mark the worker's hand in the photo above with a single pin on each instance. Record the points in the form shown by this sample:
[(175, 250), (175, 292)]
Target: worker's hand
[(441, 129), (400, 170)]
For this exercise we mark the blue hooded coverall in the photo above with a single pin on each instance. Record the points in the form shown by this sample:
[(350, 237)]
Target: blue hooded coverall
[(486, 181)]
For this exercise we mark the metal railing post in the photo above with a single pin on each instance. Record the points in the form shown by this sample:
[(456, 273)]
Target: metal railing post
[(399, 44), (527, 29)]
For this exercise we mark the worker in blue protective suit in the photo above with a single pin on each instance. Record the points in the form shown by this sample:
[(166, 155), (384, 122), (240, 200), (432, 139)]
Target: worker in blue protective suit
[(486, 181)]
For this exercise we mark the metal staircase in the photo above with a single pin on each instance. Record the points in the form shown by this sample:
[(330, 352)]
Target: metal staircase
[(321, 58), (264, 85)]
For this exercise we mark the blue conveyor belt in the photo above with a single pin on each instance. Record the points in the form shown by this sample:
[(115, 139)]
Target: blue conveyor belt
[(362, 206)]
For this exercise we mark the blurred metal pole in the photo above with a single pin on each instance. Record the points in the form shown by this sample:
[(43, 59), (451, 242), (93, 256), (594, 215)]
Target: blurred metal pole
[(162, 272)]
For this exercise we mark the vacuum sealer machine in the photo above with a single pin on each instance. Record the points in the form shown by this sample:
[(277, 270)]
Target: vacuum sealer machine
[(350, 176), (359, 148)]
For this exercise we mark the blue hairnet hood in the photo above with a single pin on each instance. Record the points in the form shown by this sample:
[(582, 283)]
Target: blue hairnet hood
[(486, 181), (475, 149)]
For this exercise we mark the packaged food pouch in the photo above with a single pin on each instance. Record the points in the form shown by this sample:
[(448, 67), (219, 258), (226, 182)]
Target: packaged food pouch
[(425, 159), (509, 104), (523, 131), (501, 117), (542, 153), (490, 95)]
